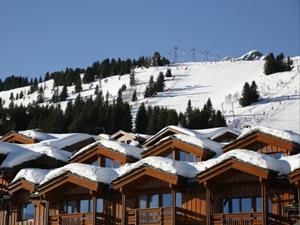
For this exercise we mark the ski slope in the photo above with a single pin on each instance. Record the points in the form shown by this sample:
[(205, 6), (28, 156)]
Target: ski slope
[(220, 81)]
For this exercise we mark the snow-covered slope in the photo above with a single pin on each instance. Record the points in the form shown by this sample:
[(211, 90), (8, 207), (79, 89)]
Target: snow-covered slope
[(221, 81)]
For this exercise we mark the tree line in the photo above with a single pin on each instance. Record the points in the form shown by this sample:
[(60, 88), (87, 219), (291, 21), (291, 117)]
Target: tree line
[(277, 64)]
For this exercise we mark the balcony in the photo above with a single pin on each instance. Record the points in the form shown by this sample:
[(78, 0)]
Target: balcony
[(255, 218), (79, 219), (26, 222), (163, 216)]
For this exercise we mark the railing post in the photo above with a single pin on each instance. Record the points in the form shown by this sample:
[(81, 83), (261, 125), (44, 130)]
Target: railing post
[(161, 216), (264, 201)]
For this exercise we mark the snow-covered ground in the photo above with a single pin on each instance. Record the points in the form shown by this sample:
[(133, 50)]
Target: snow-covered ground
[(221, 81)]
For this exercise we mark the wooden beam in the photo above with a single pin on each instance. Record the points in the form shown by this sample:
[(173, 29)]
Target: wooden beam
[(94, 213), (123, 209), (208, 205), (264, 201), (174, 206)]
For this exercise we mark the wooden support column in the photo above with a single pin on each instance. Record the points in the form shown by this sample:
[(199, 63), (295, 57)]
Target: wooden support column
[(46, 213), (264, 196), (174, 206), (298, 193), (94, 213), (208, 204), (123, 209)]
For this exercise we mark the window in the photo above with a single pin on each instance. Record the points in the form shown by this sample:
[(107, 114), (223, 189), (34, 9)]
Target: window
[(235, 205), (226, 206), (27, 212), (70, 207), (166, 200), (108, 163), (116, 164), (143, 201), (86, 205), (179, 199), (95, 163), (169, 155), (183, 156), (153, 201), (246, 204), (99, 205), (258, 202), (192, 158)]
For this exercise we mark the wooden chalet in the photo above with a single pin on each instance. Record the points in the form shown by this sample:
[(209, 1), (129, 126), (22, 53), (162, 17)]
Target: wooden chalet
[(152, 196), (179, 178), (265, 143), (100, 154), (73, 199), (177, 148), (241, 193), (127, 137), (225, 137), (14, 137)]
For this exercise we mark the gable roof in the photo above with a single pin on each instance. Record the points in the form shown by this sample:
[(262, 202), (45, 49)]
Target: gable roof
[(196, 145), (13, 137), (119, 147), (288, 139)]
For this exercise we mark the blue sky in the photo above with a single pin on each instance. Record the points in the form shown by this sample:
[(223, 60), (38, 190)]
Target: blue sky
[(39, 36)]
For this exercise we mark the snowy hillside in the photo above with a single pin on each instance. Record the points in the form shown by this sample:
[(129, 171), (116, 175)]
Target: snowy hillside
[(221, 81)]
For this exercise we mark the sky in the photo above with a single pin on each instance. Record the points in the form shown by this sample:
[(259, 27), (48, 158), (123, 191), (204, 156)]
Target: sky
[(45, 36)]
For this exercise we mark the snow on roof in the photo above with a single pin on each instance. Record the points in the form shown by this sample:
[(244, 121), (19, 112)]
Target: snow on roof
[(247, 156), (293, 161), (64, 140), (198, 141), (16, 154), (180, 168), (144, 136), (282, 134), (125, 149), (216, 132), (32, 175), (37, 135), (93, 173)]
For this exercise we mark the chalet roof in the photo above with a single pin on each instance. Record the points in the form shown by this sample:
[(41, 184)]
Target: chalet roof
[(90, 172), (213, 133), (32, 175), (212, 147), (37, 135), (125, 149), (287, 135)]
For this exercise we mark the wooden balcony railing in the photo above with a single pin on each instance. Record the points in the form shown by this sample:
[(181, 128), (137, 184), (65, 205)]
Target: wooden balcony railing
[(26, 222), (255, 218), (79, 219), (156, 216)]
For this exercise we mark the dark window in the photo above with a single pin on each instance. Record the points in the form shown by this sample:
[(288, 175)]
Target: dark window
[(278, 155), (142, 201), (258, 202), (99, 205), (70, 207), (95, 163), (85, 205), (153, 201), (108, 163), (246, 204), (117, 164), (179, 199), (28, 212), (183, 156), (192, 158), (169, 155), (166, 200), (226, 205), (235, 205)]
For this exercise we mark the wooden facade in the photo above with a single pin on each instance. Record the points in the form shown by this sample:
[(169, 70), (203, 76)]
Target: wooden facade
[(126, 137), (264, 143)]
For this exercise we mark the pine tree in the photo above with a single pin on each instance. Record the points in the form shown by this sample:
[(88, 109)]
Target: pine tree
[(11, 97), (141, 120), (132, 78), (150, 89), (188, 113), (96, 90), (134, 96), (64, 94), (78, 87), (254, 95), (245, 100), (168, 73), (219, 120), (40, 97), (160, 83)]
